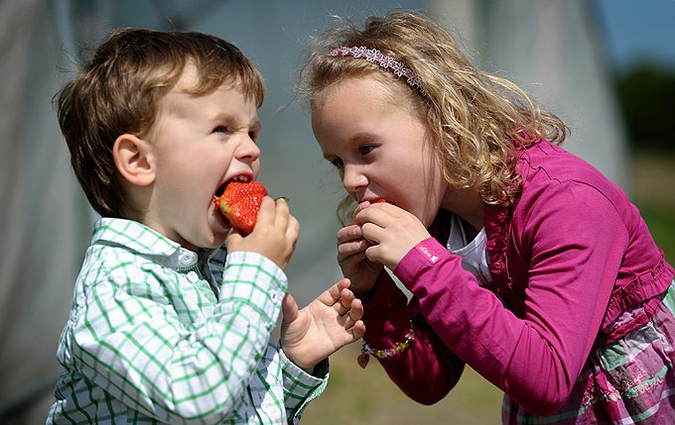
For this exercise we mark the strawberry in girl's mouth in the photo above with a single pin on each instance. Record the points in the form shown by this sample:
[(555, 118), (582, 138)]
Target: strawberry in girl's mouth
[(240, 204)]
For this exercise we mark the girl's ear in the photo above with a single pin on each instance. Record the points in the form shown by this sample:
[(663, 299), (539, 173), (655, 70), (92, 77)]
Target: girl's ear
[(133, 160)]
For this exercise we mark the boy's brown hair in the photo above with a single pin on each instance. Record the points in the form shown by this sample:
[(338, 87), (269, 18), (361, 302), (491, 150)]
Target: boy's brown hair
[(118, 91)]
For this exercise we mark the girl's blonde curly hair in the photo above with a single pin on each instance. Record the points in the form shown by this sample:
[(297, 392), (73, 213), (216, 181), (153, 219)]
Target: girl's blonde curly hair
[(476, 120)]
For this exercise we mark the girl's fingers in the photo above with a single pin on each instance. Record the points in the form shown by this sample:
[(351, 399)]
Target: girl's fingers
[(349, 233), (360, 207), (350, 249)]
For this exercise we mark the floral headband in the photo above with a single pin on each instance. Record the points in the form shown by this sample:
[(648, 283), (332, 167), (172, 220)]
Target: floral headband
[(386, 62)]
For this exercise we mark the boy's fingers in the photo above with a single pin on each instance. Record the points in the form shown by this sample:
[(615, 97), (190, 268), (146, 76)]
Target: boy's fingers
[(331, 296), (282, 213), (289, 308)]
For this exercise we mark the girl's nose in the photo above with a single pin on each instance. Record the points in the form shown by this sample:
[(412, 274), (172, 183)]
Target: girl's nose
[(353, 178)]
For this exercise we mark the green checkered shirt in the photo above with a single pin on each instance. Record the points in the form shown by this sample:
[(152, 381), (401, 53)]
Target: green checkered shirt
[(150, 340)]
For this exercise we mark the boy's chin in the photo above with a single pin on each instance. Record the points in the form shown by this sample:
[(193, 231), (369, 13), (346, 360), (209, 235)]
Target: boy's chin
[(218, 239)]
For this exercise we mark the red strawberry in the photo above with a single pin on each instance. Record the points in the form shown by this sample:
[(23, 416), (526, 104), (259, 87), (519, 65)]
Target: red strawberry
[(240, 204)]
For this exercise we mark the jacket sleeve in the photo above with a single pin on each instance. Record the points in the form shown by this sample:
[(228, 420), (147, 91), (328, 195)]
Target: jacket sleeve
[(571, 254), (426, 370)]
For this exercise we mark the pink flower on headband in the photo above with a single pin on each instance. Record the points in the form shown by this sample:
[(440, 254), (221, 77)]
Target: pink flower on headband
[(385, 62)]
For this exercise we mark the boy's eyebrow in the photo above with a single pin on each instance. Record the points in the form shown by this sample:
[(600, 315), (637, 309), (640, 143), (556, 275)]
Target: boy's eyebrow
[(256, 124), (230, 116)]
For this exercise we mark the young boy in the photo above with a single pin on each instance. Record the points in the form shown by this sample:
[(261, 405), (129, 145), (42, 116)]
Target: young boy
[(166, 326)]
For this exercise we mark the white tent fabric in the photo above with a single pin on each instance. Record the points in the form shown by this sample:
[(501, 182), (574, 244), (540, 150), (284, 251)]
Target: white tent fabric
[(44, 218), (554, 51), (550, 46)]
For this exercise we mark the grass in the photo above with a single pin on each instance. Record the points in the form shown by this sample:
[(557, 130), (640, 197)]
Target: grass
[(367, 396), (661, 223)]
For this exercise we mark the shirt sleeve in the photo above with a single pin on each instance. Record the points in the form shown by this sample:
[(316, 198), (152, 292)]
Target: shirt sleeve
[(131, 337), (573, 253), (300, 388)]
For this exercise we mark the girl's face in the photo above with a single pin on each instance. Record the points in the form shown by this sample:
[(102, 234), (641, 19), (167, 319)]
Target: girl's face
[(370, 133), (199, 142)]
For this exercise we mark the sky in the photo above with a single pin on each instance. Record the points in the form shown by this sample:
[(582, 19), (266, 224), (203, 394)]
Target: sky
[(638, 29)]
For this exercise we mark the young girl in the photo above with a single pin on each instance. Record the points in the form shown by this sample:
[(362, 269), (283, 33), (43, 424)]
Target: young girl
[(523, 261)]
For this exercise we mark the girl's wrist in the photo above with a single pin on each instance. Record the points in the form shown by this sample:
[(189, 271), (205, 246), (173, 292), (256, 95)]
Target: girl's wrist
[(368, 294), (395, 349)]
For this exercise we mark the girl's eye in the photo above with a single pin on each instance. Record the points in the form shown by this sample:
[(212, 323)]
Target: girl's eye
[(220, 129), (366, 149), (337, 162), (253, 135)]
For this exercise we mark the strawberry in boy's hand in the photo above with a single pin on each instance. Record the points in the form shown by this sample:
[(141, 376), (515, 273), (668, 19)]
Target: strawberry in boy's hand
[(240, 204)]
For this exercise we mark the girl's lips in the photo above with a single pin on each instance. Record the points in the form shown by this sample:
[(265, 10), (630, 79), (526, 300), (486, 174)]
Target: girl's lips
[(377, 201)]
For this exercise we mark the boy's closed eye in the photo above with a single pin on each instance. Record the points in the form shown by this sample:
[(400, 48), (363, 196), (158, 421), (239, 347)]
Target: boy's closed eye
[(253, 135)]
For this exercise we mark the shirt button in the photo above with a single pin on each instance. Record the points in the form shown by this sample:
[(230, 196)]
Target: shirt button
[(187, 258), (192, 276)]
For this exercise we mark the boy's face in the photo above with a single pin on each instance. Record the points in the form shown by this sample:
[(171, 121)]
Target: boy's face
[(199, 142)]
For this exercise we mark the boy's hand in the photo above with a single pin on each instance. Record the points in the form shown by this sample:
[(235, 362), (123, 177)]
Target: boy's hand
[(274, 235), (327, 324)]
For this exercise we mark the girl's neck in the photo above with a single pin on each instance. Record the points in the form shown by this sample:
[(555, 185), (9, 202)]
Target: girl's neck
[(469, 206), (470, 231)]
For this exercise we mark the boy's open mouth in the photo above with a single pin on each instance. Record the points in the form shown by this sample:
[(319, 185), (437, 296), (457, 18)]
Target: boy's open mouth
[(221, 190), (238, 202), (219, 198), (216, 198)]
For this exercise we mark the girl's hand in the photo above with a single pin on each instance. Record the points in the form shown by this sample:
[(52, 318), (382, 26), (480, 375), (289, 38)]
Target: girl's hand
[(327, 324), (352, 259), (274, 235), (390, 231)]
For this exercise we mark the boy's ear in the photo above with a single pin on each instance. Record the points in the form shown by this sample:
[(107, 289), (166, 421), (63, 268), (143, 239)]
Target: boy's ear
[(132, 156)]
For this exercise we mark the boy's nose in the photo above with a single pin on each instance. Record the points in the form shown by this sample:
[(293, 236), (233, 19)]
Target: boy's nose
[(248, 150)]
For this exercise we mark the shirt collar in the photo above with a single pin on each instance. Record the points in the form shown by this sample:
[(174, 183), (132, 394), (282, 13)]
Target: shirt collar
[(144, 241)]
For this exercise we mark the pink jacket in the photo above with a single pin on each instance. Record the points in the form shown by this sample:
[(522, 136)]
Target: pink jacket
[(570, 256)]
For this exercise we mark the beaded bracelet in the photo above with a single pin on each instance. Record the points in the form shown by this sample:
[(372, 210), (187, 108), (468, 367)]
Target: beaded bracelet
[(399, 347)]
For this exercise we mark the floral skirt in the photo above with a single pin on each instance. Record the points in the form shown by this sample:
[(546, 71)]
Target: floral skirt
[(629, 380)]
